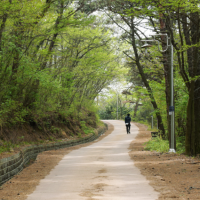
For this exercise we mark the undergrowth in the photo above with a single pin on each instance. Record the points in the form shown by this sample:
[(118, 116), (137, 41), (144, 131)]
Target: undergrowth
[(7, 146), (160, 145), (85, 128)]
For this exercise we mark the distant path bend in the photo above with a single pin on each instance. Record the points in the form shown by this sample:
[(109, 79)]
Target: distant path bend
[(101, 171)]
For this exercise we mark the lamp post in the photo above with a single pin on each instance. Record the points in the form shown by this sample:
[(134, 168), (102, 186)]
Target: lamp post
[(151, 121), (171, 108), (117, 105)]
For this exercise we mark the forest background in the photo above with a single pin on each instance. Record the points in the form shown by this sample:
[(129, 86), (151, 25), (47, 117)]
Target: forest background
[(56, 57)]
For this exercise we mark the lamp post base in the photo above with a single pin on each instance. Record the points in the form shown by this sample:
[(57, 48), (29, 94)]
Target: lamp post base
[(172, 151)]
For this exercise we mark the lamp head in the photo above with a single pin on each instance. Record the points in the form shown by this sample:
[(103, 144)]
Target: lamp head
[(146, 45)]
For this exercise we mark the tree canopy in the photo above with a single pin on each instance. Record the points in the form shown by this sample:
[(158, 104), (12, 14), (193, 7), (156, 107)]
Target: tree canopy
[(57, 56), (54, 60)]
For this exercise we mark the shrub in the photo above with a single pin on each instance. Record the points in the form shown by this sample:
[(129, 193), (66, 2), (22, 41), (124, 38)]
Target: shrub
[(160, 145)]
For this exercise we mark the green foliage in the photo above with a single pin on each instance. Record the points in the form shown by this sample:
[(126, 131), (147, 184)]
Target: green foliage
[(180, 144), (72, 135), (54, 60), (107, 103), (7, 146), (51, 138), (86, 129), (12, 112), (83, 125), (55, 129), (79, 135), (159, 145)]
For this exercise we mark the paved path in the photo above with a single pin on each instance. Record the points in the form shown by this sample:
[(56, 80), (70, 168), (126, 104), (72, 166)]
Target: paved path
[(101, 171)]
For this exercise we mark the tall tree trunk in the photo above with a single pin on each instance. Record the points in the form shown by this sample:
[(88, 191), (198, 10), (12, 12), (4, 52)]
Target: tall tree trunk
[(193, 109), (166, 65), (146, 83), (136, 107), (190, 127)]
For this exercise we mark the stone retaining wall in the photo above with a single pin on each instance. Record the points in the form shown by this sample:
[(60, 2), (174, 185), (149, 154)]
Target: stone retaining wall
[(13, 165)]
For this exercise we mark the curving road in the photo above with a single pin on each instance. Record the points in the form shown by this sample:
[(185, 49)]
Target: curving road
[(101, 171)]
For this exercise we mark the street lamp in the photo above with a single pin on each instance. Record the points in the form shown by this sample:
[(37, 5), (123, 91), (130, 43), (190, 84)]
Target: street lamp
[(171, 108), (117, 105), (151, 121)]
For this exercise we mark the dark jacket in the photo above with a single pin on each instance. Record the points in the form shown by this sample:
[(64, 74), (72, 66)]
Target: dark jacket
[(127, 119)]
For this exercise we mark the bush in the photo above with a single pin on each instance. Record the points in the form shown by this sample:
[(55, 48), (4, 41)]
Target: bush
[(157, 144), (160, 145), (86, 129)]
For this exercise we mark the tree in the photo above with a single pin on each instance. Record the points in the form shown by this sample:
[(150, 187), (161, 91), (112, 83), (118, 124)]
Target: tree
[(54, 61), (181, 20)]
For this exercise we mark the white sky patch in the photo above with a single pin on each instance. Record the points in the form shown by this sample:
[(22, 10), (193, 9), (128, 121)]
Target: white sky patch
[(118, 30)]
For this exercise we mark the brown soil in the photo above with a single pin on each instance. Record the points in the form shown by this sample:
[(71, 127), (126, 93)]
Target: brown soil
[(25, 182), (173, 176), (37, 130)]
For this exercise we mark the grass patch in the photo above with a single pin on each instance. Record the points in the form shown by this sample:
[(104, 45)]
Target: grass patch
[(157, 144), (180, 144), (162, 146), (79, 135), (8, 146)]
